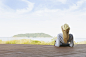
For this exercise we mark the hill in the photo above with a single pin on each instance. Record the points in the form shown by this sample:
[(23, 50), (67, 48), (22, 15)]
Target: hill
[(33, 35)]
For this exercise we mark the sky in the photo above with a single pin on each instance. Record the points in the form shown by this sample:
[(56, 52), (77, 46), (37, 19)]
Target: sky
[(42, 16)]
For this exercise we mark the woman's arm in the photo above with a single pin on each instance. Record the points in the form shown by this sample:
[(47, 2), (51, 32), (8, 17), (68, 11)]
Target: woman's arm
[(57, 42), (71, 41)]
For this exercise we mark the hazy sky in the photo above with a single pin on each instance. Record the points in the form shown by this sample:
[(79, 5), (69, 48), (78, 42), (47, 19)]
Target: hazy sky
[(42, 16)]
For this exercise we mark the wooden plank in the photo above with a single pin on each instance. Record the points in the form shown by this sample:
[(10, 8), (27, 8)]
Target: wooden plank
[(26, 50)]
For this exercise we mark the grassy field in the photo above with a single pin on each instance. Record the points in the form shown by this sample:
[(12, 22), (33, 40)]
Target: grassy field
[(82, 42), (28, 41)]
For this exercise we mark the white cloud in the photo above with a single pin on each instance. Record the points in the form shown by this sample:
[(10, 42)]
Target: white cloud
[(57, 17), (6, 9), (62, 1), (45, 20), (29, 8), (77, 5)]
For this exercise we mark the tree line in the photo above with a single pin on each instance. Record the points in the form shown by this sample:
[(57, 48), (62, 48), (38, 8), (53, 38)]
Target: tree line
[(33, 35)]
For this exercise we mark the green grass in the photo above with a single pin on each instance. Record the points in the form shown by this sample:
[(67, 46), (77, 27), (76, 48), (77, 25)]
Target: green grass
[(82, 42), (27, 41)]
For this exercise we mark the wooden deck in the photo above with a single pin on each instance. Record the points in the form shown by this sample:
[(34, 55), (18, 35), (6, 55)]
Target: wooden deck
[(25, 50)]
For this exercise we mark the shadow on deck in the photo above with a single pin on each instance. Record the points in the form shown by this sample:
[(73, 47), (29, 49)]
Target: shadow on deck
[(25, 50)]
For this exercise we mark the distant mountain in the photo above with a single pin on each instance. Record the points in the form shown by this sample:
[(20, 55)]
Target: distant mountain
[(32, 35)]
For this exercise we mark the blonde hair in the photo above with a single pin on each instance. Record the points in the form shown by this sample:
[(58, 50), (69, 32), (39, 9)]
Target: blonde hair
[(65, 30)]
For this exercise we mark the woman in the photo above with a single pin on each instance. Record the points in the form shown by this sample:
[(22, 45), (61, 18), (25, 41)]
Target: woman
[(64, 38)]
